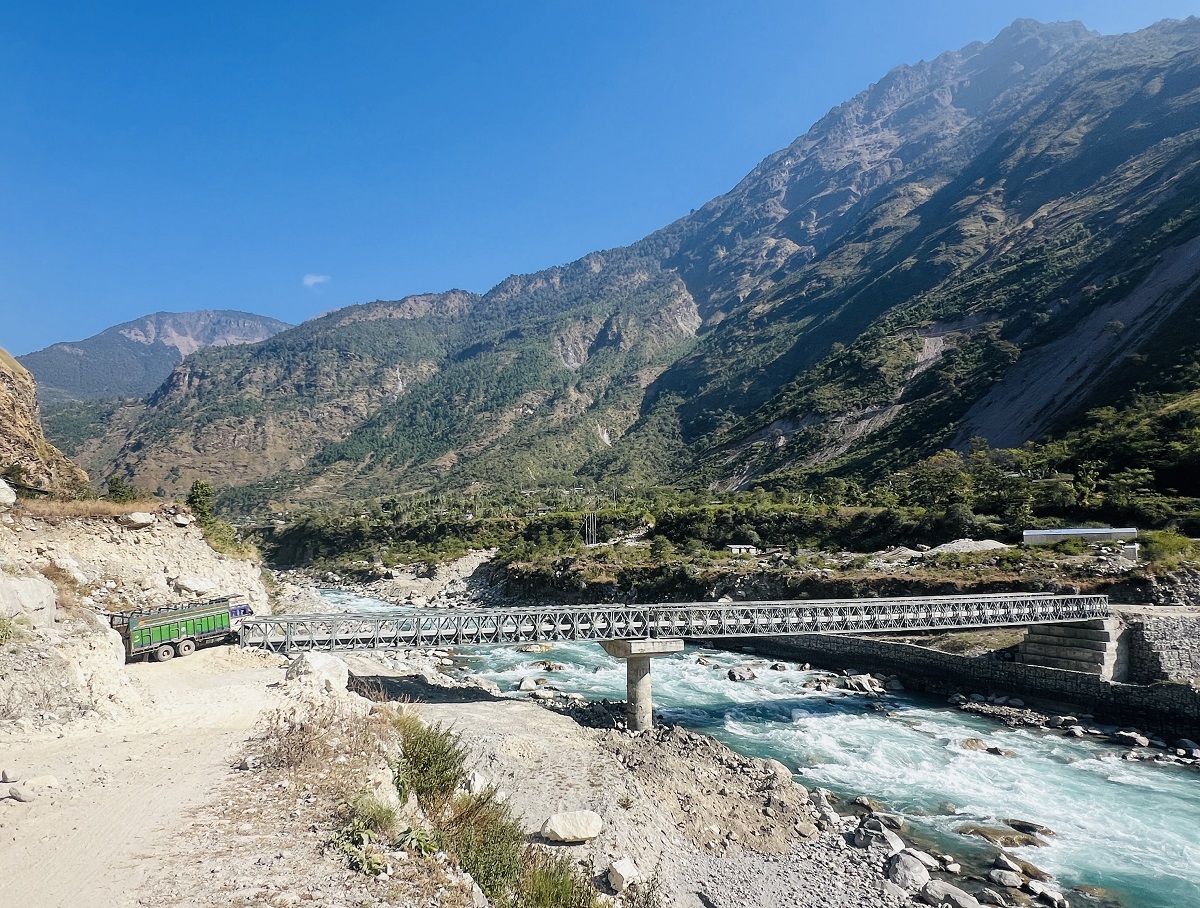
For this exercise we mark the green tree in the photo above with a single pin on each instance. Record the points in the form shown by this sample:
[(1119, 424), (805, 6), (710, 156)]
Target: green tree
[(121, 489), (201, 499)]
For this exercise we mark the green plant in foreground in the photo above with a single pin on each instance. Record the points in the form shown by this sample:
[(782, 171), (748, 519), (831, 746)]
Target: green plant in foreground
[(431, 765), (357, 844), (415, 838), (553, 881), (488, 840), (8, 629)]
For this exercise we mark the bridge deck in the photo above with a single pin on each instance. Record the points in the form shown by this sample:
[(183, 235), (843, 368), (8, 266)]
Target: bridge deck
[(464, 627)]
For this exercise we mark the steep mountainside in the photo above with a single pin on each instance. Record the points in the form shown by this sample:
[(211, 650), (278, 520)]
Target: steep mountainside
[(26, 458), (985, 244), (133, 358)]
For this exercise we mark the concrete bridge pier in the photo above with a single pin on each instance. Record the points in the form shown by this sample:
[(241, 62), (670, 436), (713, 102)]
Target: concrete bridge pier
[(637, 654)]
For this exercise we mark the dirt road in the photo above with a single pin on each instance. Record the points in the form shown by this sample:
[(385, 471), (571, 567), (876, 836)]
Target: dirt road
[(125, 788)]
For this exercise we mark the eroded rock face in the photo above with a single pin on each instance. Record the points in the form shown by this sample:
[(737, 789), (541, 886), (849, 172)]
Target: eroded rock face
[(22, 444), (32, 597)]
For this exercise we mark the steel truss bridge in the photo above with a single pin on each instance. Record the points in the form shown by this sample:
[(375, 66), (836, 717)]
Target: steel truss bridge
[(406, 627)]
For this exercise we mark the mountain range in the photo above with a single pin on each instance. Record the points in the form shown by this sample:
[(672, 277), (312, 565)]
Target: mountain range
[(986, 245), (135, 357)]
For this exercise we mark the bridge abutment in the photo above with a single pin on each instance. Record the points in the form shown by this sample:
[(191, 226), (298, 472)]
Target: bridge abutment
[(1095, 647), (639, 690)]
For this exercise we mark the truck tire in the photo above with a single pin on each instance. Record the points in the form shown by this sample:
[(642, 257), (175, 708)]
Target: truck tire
[(185, 647), (164, 653)]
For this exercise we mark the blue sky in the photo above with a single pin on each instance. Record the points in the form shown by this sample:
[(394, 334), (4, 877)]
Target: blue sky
[(292, 157)]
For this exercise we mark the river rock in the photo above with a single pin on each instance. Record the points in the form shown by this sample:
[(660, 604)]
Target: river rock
[(974, 744), (1006, 878), (1131, 738), (1000, 837), (7, 496), (1031, 828), (872, 834), (930, 862), (907, 872), (7, 776), (572, 826), (805, 829), (990, 897), (891, 820), (325, 671), (941, 894), (741, 673), (1187, 744), (621, 873), (1004, 862), (138, 520), (782, 774), (526, 684)]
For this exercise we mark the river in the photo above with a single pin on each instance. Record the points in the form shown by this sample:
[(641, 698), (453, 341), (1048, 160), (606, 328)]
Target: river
[(1130, 828)]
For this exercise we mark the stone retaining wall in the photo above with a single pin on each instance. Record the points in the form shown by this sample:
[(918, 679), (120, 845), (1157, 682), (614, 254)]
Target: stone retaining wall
[(1166, 708), (1166, 648)]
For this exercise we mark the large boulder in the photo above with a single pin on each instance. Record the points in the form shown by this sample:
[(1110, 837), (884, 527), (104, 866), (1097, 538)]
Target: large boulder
[(572, 826), (196, 585), (322, 670), (7, 496), (1006, 878), (941, 894), (33, 597), (907, 872), (138, 520)]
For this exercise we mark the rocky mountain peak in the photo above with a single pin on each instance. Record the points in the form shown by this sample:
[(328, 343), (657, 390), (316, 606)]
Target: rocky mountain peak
[(131, 359)]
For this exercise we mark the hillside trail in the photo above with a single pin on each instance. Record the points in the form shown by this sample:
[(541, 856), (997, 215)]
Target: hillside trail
[(126, 787)]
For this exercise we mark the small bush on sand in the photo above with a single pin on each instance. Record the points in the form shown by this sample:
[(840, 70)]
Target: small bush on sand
[(431, 765), (553, 881), (487, 838)]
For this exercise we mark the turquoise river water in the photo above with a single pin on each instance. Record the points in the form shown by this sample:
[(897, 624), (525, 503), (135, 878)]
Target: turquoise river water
[(1130, 828)]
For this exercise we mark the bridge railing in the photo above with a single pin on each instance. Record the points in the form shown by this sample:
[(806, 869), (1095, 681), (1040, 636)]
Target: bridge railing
[(403, 627)]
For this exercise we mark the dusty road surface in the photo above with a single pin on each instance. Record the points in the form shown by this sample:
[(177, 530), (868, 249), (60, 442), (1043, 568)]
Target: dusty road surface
[(126, 787)]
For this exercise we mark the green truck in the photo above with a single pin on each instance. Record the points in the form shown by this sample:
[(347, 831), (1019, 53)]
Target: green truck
[(177, 630)]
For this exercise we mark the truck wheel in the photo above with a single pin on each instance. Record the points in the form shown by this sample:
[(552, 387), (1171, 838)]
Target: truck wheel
[(185, 647), (164, 653)]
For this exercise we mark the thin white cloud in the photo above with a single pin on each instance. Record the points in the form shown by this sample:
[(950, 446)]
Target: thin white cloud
[(312, 281)]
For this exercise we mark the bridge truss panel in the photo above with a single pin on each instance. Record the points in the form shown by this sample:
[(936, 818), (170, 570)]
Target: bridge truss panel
[(402, 628)]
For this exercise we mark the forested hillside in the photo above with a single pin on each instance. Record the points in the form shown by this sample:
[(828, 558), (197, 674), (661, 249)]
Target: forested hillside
[(989, 245)]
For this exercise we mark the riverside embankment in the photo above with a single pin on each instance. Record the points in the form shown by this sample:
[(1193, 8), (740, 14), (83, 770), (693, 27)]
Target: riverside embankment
[(1127, 827)]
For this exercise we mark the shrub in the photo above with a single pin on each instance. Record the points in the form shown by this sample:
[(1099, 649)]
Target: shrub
[(8, 629), (1166, 549), (431, 764), (554, 881), (487, 838), (368, 812)]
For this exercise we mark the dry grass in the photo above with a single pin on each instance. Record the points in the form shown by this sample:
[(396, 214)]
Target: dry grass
[(86, 507)]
